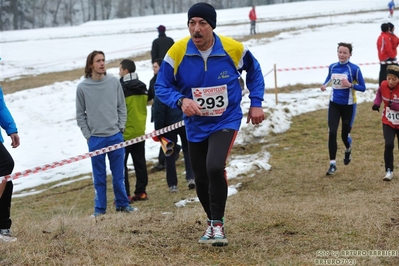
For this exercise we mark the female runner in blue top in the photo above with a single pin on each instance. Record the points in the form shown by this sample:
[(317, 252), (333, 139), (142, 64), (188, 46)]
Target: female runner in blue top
[(346, 78)]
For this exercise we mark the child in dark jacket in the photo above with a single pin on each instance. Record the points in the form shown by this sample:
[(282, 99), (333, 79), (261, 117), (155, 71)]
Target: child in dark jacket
[(136, 97), (164, 116)]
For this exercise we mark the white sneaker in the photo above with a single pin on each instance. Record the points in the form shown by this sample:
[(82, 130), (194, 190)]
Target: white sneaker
[(5, 236), (388, 176)]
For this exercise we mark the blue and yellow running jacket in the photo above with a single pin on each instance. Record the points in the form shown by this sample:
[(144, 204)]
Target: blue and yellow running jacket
[(340, 94), (214, 84)]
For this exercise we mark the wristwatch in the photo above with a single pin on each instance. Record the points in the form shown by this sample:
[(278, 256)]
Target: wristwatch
[(180, 102)]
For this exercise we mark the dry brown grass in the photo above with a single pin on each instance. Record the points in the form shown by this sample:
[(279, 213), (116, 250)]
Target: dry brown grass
[(279, 217)]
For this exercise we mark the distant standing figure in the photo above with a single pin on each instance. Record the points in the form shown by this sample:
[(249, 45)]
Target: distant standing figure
[(346, 78), (6, 167), (389, 94), (161, 44), (101, 116), (151, 93), (136, 98), (386, 53), (165, 116), (252, 18), (391, 7)]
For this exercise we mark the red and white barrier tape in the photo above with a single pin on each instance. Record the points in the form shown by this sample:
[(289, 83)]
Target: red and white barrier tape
[(388, 62), (45, 167), (319, 67)]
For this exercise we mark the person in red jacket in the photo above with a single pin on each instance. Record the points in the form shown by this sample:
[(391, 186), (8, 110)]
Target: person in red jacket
[(394, 38), (389, 94), (386, 53), (252, 18)]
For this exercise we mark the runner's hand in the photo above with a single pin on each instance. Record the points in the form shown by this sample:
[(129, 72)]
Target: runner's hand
[(376, 107), (255, 115), (190, 107), (14, 140)]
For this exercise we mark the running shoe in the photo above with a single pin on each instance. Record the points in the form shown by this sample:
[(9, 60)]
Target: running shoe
[(173, 189), (332, 169), (348, 156), (138, 197), (207, 237), (388, 176), (219, 236), (127, 209), (191, 184), (5, 236)]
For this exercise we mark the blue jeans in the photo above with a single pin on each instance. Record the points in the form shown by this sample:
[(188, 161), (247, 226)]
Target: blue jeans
[(116, 161)]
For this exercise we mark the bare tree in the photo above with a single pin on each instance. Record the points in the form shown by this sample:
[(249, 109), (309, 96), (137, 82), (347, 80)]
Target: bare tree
[(164, 5), (54, 12), (141, 5), (218, 4), (33, 18), (4, 14), (106, 8), (83, 9), (42, 13), (121, 10), (69, 11), (152, 5), (94, 11), (18, 14), (15, 13)]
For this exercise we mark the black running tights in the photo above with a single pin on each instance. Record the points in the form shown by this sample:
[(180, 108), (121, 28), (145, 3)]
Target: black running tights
[(208, 159), (389, 137), (337, 112)]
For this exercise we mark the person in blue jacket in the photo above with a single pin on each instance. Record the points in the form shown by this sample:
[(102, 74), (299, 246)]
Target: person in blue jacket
[(346, 78), (391, 8), (6, 167), (200, 75)]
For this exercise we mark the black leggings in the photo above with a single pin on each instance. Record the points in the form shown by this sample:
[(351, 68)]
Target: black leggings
[(137, 152), (6, 167), (389, 137), (347, 114), (208, 159)]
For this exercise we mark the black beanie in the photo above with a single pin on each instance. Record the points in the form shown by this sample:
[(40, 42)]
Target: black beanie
[(393, 72), (205, 11)]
